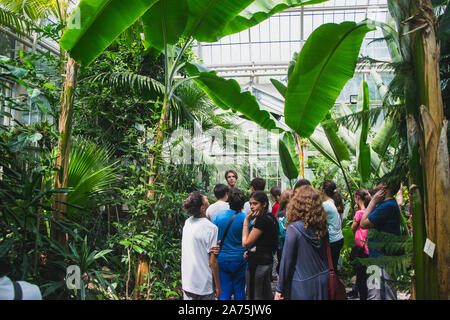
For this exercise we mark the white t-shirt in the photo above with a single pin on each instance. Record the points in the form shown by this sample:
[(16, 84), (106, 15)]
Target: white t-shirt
[(199, 235), (29, 291), (216, 207)]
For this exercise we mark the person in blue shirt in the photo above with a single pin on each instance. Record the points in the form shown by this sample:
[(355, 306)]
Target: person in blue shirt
[(232, 265), (382, 214)]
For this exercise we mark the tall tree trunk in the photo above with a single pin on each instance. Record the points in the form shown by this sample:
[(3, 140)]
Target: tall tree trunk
[(64, 141), (143, 269), (426, 137)]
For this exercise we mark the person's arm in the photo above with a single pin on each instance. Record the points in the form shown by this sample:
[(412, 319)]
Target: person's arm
[(248, 240), (215, 273), (365, 223), (355, 225)]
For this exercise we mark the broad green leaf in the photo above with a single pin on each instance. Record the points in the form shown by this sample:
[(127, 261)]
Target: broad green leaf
[(226, 94), (260, 10), (319, 140), (364, 147), (289, 168), (349, 138), (164, 22), (325, 64), (96, 23), (339, 148), (289, 141), (281, 88), (207, 18), (383, 136)]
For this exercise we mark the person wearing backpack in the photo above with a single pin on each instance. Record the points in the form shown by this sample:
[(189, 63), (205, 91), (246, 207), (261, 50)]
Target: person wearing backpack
[(232, 265), (261, 238)]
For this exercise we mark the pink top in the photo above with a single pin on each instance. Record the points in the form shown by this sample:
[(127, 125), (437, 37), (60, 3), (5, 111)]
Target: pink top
[(361, 234)]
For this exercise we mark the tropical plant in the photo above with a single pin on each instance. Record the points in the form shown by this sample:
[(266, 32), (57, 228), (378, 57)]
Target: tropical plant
[(90, 172), (164, 23), (427, 140)]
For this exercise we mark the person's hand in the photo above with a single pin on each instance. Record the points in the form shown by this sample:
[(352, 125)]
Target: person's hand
[(278, 296), (357, 207), (379, 195), (245, 255), (215, 249)]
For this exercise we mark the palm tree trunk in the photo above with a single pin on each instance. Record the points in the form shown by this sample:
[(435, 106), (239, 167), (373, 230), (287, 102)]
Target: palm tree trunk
[(64, 141)]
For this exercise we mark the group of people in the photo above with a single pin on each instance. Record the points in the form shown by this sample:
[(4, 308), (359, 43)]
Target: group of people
[(236, 248)]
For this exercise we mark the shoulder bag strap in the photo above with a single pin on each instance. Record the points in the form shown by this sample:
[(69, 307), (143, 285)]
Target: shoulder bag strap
[(226, 230), (330, 260), (17, 291)]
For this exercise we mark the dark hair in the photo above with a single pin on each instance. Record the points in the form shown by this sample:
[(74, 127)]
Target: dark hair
[(232, 171), (330, 189), (371, 191), (286, 195), (258, 184), (276, 193), (301, 182), (192, 203), (5, 268), (261, 197), (364, 195), (220, 190), (236, 199)]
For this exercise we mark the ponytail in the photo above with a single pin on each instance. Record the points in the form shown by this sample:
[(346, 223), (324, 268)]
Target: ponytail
[(330, 189)]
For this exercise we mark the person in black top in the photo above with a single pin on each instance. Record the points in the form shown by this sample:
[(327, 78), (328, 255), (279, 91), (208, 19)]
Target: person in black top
[(262, 242)]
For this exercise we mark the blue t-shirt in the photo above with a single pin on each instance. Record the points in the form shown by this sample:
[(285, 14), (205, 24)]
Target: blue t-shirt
[(385, 218), (232, 249)]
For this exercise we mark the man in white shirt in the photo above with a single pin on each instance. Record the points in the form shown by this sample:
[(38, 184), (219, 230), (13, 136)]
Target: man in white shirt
[(221, 194), (199, 267)]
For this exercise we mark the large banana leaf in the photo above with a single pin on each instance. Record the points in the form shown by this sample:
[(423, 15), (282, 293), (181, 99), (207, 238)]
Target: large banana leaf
[(349, 138), (364, 147), (164, 22), (383, 137), (290, 170), (207, 18), (96, 23), (289, 142), (338, 146), (227, 94), (325, 64), (260, 10)]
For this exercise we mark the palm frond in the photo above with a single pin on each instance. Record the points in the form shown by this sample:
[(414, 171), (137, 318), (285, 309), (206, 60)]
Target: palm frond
[(354, 120), (14, 21), (128, 82), (90, 171)]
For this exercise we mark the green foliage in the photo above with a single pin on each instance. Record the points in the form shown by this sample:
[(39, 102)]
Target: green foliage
[(396, 258)]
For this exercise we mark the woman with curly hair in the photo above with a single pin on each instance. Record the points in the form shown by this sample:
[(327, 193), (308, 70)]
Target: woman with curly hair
[(304, 271)]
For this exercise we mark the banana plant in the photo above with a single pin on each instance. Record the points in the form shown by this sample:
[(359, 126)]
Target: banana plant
[(96, 23), (288, 157), (363, 157)]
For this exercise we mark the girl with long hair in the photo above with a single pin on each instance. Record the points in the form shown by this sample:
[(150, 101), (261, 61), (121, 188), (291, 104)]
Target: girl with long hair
[(262, 243), (304, 272), (360, 250), (334, 207)]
